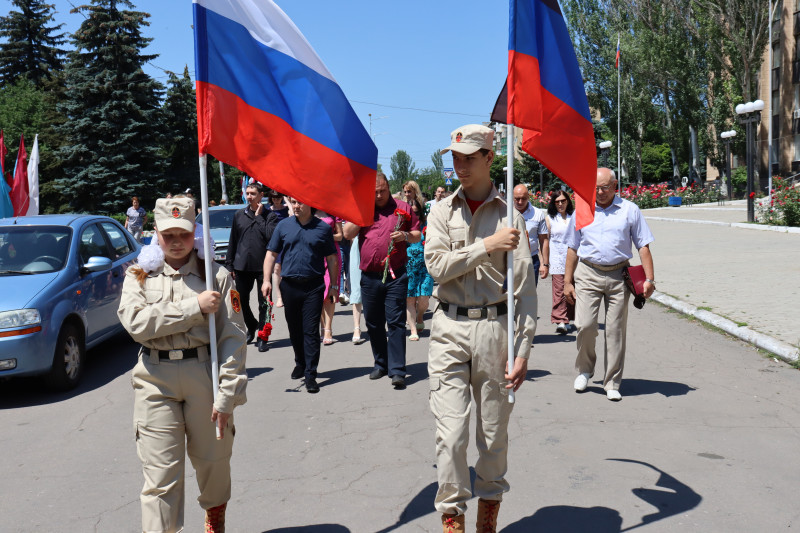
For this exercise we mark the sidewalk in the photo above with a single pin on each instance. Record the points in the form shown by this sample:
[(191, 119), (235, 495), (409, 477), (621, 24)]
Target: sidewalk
[(711, 264)]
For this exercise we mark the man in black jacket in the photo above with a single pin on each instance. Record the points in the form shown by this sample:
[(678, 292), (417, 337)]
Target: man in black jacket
[(250, 233)]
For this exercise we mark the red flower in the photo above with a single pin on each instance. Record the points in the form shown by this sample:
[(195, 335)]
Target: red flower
[(752, 195), (402, 214)]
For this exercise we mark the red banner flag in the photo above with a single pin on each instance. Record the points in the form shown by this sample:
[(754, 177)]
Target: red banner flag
[(20, 198), (544, 95)]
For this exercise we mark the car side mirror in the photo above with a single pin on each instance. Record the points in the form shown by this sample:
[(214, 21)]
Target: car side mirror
[(96, 264)]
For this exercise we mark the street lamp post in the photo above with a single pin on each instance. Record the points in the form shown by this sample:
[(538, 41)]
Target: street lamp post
[(371, 118), (750, 116), (727, 137)]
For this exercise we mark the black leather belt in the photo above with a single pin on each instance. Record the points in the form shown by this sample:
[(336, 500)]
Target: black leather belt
[(476, 312), (164, 355)]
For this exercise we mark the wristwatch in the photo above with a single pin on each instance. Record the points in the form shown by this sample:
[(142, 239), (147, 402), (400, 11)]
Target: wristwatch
[(652, 282), (547, 265), (335, 287)]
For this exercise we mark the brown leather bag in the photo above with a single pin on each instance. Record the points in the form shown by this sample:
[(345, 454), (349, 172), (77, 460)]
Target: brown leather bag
[(634, 279)]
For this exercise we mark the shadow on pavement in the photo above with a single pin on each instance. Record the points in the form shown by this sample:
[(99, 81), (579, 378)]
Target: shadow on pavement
[(569, 519), (639, 387), (677, 499), (555, 338), (536, 374), (316, 528), (339, 375), (104, 363), (255, 372), (416, 372), (421, 504)]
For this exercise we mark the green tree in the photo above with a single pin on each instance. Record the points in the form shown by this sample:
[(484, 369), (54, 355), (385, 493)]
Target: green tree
[(31, 47), (430, 178), (180, 146), (114, 123), (403, 169), (656, 162), (28, 110)]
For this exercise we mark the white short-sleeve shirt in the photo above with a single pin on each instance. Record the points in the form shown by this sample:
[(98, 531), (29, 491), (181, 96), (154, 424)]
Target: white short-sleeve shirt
[(608, 240)]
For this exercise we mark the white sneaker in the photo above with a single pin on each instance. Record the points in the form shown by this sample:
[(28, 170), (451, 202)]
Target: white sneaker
[(561, 328), (581, 382), (613, 395)]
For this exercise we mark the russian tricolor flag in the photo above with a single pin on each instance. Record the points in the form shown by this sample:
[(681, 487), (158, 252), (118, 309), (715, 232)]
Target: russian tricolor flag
[(267, 105), (545, 96)]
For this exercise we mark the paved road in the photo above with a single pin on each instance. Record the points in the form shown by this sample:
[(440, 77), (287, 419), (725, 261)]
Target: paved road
[(704, 440), (750, 277)]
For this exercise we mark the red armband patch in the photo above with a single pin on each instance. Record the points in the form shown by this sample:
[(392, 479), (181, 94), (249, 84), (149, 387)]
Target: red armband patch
[(236, 301)]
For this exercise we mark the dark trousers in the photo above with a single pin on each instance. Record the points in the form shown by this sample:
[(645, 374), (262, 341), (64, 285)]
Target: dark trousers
[(385, 305), (344, 258), (244, 286), (536, 265), (302, 304)]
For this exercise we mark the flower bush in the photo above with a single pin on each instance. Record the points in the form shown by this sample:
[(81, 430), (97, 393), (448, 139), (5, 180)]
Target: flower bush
[(784, 208), (648, 196)]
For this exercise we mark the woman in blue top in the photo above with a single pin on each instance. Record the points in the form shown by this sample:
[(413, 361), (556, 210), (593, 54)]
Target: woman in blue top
[(420, 283)]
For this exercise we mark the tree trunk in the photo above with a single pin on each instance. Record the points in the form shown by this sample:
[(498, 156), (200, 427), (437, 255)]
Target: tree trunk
[(676, 173)]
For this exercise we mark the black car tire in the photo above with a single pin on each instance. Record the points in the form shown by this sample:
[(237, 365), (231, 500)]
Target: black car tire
[(68, 360)]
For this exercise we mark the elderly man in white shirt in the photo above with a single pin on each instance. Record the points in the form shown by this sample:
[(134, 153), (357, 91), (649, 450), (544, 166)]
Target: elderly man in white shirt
[(538, 234), (596, 257)]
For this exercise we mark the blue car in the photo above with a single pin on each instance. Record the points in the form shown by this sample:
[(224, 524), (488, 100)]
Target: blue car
[(61, 280)]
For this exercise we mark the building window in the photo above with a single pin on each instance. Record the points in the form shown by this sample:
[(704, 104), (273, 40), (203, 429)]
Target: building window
[(776, 56), (796, 148)]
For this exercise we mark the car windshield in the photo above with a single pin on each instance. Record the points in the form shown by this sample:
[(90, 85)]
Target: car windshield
[(220, 218), (26, 250)]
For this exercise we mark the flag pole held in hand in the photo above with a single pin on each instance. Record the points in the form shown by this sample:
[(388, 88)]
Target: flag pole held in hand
[(209, 257)]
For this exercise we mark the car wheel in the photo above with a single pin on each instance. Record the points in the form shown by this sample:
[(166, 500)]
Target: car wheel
[(67, 360)]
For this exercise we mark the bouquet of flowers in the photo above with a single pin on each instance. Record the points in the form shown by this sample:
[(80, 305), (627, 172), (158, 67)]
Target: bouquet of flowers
[(402, 216), (264, 333)]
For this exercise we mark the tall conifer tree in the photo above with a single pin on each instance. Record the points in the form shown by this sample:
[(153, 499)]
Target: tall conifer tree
[(180, 120), (31, 47), (114, 120)]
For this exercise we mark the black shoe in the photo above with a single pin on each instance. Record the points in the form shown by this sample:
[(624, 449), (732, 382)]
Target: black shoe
[(298, 372), (311, 386), (251, 334), (398, 382), (378, 373), (263, 346)]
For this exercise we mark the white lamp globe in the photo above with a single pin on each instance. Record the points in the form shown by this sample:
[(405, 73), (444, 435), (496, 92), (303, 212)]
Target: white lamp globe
[(740, 109), (758, 105)]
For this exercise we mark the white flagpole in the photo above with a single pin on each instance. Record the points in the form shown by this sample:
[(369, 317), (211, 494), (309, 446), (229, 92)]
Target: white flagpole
[(33, 179), (619, 124), (510, 254), (209, 257)]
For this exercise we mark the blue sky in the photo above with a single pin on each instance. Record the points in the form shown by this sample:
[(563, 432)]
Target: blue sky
[(428, 67)]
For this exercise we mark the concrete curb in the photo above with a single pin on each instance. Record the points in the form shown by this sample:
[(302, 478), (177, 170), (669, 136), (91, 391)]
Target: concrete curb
[(787, 352), (743, 225)]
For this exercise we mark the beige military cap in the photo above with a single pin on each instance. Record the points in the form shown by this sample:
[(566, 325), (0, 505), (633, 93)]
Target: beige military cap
[(174, 213), (470, 138)]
